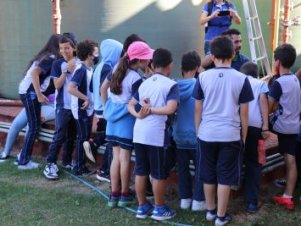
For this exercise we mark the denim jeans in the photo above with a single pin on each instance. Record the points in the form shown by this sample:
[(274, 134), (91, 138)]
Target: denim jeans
[(64, 132), (185, 180), (20, 122)]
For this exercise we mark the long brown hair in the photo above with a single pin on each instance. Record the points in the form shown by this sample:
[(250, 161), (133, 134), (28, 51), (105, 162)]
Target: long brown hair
[(120, 73)]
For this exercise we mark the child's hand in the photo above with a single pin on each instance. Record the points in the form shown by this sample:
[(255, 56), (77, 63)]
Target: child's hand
[(42, 99), (265, 134), (71, 65), (85, 105), (144, 111), (146, 103), (214, 14)]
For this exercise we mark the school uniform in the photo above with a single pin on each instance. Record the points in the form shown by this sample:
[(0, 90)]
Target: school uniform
[(82, 76), (252, 167), (150, 134), (286, 119), (65, 128), (29, 98), (222, 90), (120, 123)]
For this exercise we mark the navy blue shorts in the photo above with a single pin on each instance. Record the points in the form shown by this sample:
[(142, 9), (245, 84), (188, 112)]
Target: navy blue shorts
[(221, 162), (123, 143), (151, 160), (287, 143)]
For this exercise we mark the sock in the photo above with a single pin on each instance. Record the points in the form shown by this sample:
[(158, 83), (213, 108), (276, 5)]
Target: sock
[(287, 196)]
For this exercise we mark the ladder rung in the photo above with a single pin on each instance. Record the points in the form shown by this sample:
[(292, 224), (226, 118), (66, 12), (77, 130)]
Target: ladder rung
[(260, 58), (257, 38), (253, 17)]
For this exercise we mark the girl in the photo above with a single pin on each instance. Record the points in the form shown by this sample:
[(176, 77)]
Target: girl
[(31, 94), (123, 85)]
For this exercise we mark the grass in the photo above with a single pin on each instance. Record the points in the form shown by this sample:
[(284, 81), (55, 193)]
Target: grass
[(27, 198)]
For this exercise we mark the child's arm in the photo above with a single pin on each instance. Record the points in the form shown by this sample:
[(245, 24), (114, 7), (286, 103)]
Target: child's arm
[(264, 109), (144, 111), (168, 109), (104, 91), (244, 118), (59, 81), (72, 89), (198, 109), (35, 74)]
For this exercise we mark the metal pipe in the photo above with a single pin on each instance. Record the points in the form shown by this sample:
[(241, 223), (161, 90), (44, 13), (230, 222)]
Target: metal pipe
[(56, 16)]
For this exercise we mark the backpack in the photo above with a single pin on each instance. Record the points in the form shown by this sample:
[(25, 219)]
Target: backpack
[(210, 7)]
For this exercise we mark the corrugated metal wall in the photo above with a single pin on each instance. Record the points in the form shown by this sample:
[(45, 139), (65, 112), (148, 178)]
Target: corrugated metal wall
[(25, 25)]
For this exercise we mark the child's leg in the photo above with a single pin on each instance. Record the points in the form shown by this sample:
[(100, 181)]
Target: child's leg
[(68, 146), (198, 193), (253, 168), (125, 167), (291, 174), (159, 191), (115, 170), (140, 188), (33, 112), (210, 196), (184, 177), (223, 193)]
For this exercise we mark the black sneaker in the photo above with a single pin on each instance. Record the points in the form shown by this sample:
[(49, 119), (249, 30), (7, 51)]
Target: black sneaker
[(82, 172), (3, 157), (102, 176)]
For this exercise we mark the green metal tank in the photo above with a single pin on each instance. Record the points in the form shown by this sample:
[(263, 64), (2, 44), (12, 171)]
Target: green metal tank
[(25, 25)]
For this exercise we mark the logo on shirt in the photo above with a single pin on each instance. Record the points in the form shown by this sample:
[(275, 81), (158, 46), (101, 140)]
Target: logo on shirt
[(220, 75), (154, 78)]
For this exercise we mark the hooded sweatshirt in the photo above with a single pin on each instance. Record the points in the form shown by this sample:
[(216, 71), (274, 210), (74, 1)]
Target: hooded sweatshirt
[(110, 51), (184, 129)]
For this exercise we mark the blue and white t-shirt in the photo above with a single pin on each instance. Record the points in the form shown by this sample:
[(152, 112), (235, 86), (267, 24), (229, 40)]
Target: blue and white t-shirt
[(286, 90), (258, 87), (45, 65), (222, 90), (159, 89), (218, 25), (130, 85), (82, 76), (62, 96)]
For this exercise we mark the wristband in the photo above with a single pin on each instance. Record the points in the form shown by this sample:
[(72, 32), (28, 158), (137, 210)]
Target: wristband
[(264, 130)]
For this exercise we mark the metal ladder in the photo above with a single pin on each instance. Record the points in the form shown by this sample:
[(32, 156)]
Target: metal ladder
[(256, 41)]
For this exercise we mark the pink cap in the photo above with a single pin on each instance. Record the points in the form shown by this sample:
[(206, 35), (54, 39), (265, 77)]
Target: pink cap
[(140, 50)]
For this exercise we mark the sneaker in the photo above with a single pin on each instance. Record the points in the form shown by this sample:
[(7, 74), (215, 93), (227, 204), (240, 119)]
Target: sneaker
[(113, 201), (89, 151), (252, 207), (162, 213), (198, 205), (50, 171), (185, 204), (67, 166), (84, 171), (124, 201), (211, 215), (102, 176), (144, 211), (4, 157), (288, 203), (220, 221), (28, 166), (280, 183)]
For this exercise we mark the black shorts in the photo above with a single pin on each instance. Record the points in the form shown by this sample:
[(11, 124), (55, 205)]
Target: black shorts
[(221, 162), (151, 160), (287, 143)]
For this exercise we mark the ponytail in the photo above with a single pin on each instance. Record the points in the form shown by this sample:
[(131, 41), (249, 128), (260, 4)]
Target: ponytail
[(119, 75)]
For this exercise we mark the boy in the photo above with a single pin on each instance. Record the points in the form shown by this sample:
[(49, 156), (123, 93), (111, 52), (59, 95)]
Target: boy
[(185, 136), (221, 120), (284, 103), (258, 129), (80, 88), (62, 72), (158, 96)]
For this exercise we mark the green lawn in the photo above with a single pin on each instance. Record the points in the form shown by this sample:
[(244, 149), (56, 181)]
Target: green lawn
[(29, 199)]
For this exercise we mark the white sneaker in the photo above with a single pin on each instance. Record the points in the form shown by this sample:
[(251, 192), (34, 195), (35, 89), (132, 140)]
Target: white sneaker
[(30, 165), (185, 204), (50, 171), (198, 205)]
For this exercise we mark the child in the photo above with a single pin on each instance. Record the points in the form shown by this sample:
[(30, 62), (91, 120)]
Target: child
[(31, 90), (158, 96), (110, 52), (258, 129), (64, 122), (284, 103), (221, 120), (80, 88), (185, 136), (119, 132)]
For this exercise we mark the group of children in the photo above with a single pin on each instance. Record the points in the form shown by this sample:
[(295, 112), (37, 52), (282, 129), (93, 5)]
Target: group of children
[(215, 117)]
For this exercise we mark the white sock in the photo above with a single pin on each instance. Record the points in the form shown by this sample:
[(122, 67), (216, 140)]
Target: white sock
[(287, 196)]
